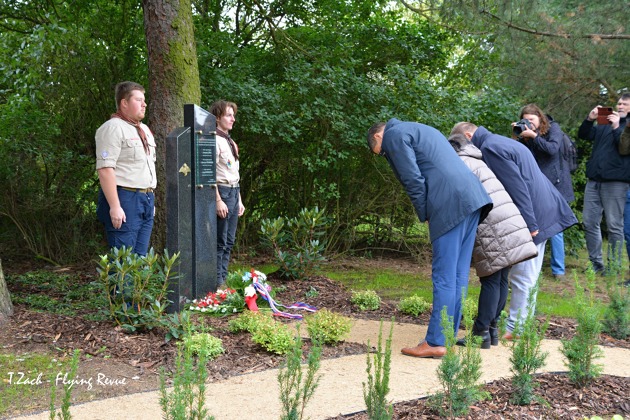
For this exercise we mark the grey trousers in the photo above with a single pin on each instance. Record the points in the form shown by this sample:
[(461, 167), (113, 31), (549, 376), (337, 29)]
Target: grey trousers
[(608, 198), (523, 277)]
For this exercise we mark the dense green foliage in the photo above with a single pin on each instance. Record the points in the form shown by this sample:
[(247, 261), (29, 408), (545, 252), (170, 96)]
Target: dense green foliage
[(297, 243), (309, 77), (136, 289)]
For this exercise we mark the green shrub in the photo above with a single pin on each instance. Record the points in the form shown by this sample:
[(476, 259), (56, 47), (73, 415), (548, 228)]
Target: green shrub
[(136, 287), (413, 305), (376, 390), (188, 397), (272, 335), (67, 391), (458, 373), (365, 300), (527, 356), (297, 243), (327, 327), (204, 345), (616, 320), (175, 324), (248, 321), (296, 392), (470, 306), (583, 348)]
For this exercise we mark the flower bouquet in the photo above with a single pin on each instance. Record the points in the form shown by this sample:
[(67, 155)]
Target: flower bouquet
[(221, 302), (243, 291), (256, 284)]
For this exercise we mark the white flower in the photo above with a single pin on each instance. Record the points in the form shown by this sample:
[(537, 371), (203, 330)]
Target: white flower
[(249, 291), (203, 309)]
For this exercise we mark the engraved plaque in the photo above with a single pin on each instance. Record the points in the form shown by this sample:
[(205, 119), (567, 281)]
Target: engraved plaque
[(205, 151)]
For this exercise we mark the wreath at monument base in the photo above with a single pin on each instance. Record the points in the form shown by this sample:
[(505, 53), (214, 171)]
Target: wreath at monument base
[(244, 294)]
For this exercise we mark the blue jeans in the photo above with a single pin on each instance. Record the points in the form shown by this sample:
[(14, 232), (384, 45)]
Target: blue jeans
[(557, 253), (226, 230), (607, 198), (452, 253), (523, 277), (139, 210)]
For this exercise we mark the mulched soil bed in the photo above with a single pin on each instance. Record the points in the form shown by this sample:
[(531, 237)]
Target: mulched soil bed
[(32, 331), (606, 396)]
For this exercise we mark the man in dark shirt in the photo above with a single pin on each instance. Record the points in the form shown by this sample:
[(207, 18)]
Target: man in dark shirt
[(608, 175)]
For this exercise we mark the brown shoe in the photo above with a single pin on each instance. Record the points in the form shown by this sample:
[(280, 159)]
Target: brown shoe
[(509, 337), (425, 350)]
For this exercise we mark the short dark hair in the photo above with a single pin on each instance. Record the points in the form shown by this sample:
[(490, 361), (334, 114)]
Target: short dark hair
[(371, 132), (124, 89), (625, 96), (458, 141), (220, 107)]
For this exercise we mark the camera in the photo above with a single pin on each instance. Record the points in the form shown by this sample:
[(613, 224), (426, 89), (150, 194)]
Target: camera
[(602, 114), (521, 126)]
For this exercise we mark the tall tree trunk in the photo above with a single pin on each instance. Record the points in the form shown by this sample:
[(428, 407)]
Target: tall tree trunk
[(6, 307), (173, 82)]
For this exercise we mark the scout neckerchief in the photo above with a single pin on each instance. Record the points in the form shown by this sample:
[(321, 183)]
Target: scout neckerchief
[(141, 132), (231, 142)]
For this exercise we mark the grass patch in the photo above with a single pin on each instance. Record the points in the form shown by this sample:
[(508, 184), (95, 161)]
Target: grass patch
[(25, 378), (391, 284), (554, 298), (57, 293)]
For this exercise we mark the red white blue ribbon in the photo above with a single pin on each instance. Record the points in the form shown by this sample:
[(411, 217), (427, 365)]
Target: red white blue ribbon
[(264, 292)]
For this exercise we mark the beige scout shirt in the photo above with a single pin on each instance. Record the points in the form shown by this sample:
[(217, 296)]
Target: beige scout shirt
[(227, 166), (119, 146)]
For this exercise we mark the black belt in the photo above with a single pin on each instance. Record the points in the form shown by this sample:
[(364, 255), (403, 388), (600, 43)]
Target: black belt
[(140, 190)]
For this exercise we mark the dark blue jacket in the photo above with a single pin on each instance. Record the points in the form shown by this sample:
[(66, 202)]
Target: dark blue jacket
[(441, 188), (539, 202), (605, 163), (547, 151)]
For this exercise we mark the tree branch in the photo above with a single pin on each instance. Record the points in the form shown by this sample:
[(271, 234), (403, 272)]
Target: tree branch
[(596, 37)]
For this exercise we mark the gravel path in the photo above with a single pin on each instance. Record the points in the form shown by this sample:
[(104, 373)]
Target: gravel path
[(340, 391)]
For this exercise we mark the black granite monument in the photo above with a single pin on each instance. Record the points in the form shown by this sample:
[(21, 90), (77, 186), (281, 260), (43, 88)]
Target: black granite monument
[(191, 225)]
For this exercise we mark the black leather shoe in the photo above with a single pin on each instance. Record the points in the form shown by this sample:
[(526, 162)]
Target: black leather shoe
[(485, 339), (494, 335)]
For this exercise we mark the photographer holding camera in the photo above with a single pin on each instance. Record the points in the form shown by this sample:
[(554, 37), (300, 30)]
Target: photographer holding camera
[(608, 174), (544, 137)]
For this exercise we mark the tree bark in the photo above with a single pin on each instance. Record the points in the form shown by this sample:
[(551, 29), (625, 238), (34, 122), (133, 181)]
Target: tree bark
[(173, 82), (6, 307)]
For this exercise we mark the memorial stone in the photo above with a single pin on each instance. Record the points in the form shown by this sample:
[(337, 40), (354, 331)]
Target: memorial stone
[(191, 206)]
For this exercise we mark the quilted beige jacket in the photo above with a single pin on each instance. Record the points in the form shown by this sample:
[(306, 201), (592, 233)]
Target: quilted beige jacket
[(502, 238)]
